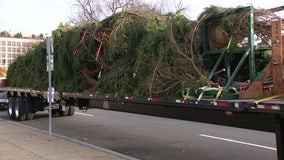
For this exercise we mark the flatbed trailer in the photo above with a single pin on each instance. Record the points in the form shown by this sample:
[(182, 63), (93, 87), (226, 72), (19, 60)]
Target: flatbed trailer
[(264, 115), (250, 111)]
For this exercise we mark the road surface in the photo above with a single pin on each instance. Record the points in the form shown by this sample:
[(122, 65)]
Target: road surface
[(154, 138)]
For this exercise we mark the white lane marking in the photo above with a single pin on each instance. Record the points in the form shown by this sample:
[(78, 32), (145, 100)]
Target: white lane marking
[(83, 114), (240, 142)]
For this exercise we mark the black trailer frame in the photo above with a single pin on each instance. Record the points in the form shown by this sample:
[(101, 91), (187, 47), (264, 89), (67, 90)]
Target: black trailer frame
[(250, 114)]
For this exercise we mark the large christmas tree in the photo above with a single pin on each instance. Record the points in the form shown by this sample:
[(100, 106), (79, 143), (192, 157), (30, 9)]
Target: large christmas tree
[(141, 54)]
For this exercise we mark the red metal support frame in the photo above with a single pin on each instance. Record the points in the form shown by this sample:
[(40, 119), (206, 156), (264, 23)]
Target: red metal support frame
[(100, 38)]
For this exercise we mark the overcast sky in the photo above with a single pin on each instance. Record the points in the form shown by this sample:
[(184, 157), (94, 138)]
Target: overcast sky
[(43, 16)]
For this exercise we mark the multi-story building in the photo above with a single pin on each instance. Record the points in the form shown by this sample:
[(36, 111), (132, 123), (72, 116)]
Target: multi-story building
[(11, 48)]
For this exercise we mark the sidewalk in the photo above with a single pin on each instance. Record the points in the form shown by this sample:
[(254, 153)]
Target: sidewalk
[(19, 142)]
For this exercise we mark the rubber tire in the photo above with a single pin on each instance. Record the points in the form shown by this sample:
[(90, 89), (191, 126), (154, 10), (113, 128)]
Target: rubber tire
[(71, 110), (54, 112), (11, 108), (63, 113), (20, 110), (28, 102)]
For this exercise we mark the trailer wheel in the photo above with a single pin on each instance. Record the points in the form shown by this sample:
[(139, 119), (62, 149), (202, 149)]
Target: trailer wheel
[(11, 108), (71, 110), (63, 112), (54, 112), (20, 110), (29, 108)]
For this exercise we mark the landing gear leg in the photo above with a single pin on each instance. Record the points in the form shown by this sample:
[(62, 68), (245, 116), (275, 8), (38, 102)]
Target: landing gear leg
[(279, 130)]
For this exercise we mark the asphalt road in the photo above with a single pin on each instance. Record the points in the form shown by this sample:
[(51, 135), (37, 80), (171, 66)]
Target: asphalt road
[(155, 138)]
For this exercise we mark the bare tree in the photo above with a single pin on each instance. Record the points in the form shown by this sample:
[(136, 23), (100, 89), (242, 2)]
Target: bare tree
[(86, 11), (166, 6), (95, 10), (115, 6)]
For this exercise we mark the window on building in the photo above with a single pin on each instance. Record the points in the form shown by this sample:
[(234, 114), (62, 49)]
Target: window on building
[(9, 49), (9, 61), (9, 43), (3, 55), (3, 61), (18, 44), (14, 50), (14, 56), (3, 43), (18, 50), (24, 44), (24, 50), (13, 43), (29, 49), (3, 49)]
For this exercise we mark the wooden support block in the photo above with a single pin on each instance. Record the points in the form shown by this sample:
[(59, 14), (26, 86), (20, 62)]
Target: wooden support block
[(277, 58)]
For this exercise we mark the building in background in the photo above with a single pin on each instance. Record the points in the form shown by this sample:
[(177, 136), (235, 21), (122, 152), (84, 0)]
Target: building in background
[(11, 48)]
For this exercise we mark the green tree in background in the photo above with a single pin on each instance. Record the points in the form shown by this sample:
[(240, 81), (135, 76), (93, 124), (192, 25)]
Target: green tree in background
[(18, 35), (5, 34)]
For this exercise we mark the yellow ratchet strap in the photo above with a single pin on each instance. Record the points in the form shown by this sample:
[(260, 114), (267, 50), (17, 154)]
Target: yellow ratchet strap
[(268, 98)]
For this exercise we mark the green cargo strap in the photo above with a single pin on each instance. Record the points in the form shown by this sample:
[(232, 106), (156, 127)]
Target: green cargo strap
[(206, 88), (220, 92), (230, 42), (185, 94)]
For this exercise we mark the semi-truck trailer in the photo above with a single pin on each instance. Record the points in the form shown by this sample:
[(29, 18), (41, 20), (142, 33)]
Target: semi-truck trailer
[(254, 104)]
